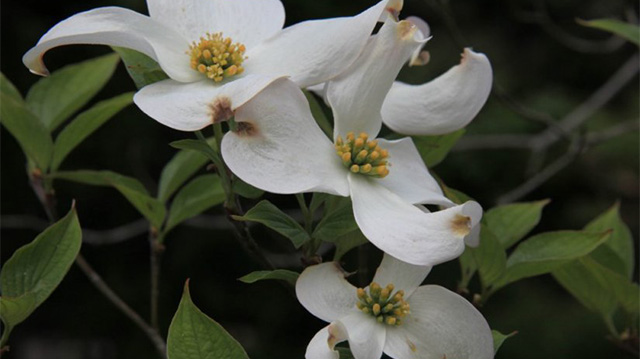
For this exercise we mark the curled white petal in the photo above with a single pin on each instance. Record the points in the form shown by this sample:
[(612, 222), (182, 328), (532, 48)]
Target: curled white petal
[(118, 27), (408, 176), (325, 293), (441, 324), (366, 336), (402, 275), (323, 343), (403, 230), (314, 51), (419, 57), (443, 105), (193, 106), (356, 96), (279, 147), (246, 21)]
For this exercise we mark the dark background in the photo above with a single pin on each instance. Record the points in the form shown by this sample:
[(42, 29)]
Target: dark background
[(532, 65)]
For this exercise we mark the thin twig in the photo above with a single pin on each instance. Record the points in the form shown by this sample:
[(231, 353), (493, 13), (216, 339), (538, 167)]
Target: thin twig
[(155, 254), (97, 281)]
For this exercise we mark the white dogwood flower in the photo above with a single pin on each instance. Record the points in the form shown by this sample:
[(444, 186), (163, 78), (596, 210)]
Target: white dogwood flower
[(278, 147), (394, 315), (217, 53), (442, 105)]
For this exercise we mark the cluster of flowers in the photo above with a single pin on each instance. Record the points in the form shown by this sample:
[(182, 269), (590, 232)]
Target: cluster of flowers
[(233, 59)]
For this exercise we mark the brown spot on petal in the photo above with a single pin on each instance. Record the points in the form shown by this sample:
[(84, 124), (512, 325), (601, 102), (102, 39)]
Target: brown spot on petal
[(246, 129), (220, 110), (406, 29), (461, 225), (411, 346)]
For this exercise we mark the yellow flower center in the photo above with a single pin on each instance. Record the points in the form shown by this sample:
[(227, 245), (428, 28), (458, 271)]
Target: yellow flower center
[(383, 304), (362, 156), (217, 57)]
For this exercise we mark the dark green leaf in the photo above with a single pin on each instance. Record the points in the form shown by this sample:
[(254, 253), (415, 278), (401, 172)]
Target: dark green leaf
[(130, 188), (345, 353), (142, 69), (434, 149), (85, 124), (193, 335), (281, 274), (499, 339), (35, 270), (335, 224), (489, 256), (547, 251), (30, 133), (179, 169), (196, 197), (630, 32), (271, 216), (55, 98), (511, 222), (6, 87), (318, 114), (246, 190), (317, 200), (454, 195), (196, 145), (347, 242), (620, 241)]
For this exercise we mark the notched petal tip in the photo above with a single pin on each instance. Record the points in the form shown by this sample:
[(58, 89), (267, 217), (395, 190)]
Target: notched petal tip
[(461, 225), (406, 30), (420, 59), (220, 109), (393, 8), (246, 129)]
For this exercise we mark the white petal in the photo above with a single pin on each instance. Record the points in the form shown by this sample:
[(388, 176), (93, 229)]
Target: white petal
[(419, 58), (325, 293), (404, 276), (284, 150), (441, 324), (403, 230), (473, 238), (245, 21), (443, 105), (408, 176), (366, 336), (118, 27), (314, 51), (322, 344), (356, 95), (193, 106)]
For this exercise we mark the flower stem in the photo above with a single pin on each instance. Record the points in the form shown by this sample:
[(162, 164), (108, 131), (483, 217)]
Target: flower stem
[(306, 213)]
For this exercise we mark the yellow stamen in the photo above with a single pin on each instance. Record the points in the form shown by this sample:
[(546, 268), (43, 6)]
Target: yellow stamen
[(360, 155), (217, 57), (387, 307)]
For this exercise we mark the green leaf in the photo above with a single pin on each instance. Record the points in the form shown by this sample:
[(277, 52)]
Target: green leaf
[(588, 286), (318, 114), (33, 137), (548, 251), (271, 216), (6, 87), (85, 124), (347, 242), (152, 209), (53, 99), (344, 353), (179, 169), (434, 149), (336, 223), (499, 339), (35, 270), (620, 242), (511, 222), (317, 200), (196, 145), (142, 69), (453, 194), (196, 197), (193, 335), (489, 256), (246, 190), (630, 32), (281, 274)]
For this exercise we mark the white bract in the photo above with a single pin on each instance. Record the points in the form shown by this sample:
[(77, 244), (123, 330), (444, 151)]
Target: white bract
[(445, 104), (279, 148), (393, 315), (217, 53)]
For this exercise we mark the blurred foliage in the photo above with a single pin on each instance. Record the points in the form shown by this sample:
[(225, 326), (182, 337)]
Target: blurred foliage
[(542, 60)]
